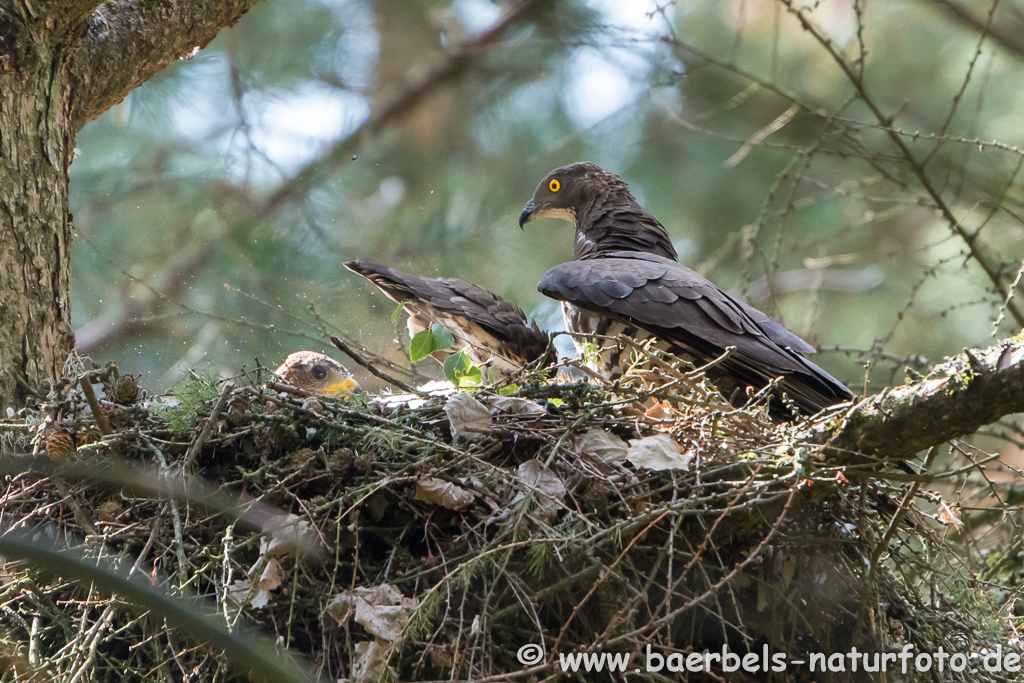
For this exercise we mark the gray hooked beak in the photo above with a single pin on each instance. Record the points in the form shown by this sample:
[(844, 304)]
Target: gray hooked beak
[(526, 215)]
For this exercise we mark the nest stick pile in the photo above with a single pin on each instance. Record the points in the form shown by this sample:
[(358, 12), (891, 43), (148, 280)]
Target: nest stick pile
[(475, 535)]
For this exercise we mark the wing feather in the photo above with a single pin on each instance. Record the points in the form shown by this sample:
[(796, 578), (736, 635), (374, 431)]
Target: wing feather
[(683, 308), (479, 317), (614, 288)]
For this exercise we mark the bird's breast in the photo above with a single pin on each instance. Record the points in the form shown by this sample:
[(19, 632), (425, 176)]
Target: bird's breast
[(615, 360)]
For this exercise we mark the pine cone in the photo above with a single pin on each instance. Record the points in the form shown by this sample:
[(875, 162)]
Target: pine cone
[(237, 405), (262, 439), (302, 457), (60, 444), (341, 458), (88, 435), (109, 511), (127, 389), (113, 414), (595, 499), (313, 405), (363, 462)]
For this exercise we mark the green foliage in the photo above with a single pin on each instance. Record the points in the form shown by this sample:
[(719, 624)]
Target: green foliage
[(590, 352), (426, 342), (386, 443), (540, 559), (430, 610), (182, 411), (398, 312), (461, 372)]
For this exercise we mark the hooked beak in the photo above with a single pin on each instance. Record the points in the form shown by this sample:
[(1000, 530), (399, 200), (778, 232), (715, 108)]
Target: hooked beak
[(526, 215), (346, 386)]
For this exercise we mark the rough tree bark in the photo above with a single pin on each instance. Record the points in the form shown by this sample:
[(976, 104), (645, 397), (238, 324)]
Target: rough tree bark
[(957, 398), (62, 64)]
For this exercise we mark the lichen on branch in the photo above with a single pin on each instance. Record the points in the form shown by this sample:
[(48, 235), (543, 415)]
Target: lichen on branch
[(958, 397)]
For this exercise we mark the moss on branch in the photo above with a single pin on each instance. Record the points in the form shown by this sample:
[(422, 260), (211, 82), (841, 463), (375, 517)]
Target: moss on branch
[(958, 397)]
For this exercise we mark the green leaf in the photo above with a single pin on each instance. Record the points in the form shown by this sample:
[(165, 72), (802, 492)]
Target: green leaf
[(421, 346), (460, 371), (473, 378), (443, 338), (456, 365), (425, 342), (398, 312), (591, 352), (509, 390)]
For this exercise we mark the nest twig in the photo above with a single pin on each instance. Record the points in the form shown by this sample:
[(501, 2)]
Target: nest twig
[(534, 531)]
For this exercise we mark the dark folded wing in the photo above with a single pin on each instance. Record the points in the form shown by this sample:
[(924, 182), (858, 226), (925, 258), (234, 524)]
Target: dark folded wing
[(479, 317), (679, 306)]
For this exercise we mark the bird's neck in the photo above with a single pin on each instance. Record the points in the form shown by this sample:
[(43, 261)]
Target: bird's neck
[(619, 224)]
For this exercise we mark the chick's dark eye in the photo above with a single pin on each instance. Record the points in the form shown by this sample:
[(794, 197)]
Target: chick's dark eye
[(554, 185), (318, 372)]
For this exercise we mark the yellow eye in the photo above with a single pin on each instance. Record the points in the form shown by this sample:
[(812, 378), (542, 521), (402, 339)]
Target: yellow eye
[(554, 185)]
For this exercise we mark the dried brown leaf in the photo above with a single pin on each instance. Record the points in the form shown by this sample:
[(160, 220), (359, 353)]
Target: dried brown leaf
[(440, 492)]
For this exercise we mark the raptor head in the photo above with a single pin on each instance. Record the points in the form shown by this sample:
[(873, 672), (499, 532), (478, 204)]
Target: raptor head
[(317, 374), (568, 191)]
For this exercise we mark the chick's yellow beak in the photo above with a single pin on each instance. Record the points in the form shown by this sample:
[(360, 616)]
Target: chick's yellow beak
[(346, 386)]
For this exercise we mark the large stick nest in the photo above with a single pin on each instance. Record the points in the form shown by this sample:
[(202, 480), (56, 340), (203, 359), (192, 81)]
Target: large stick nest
[(373, 543)]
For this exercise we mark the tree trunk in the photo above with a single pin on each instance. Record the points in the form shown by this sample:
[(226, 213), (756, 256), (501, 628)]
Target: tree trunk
[(62, 63), (36, 146)]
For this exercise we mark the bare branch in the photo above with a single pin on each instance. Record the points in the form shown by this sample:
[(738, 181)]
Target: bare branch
[(374, 370), (967, 392), (991, 269), (128, 42), (455, 64), (1006, 37)]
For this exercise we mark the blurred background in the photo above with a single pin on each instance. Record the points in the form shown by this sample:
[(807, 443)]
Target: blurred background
[(213, 207)]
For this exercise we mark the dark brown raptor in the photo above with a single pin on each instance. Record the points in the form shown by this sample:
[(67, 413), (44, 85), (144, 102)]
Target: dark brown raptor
[(493, 331), (689, 316), (624, 279)]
